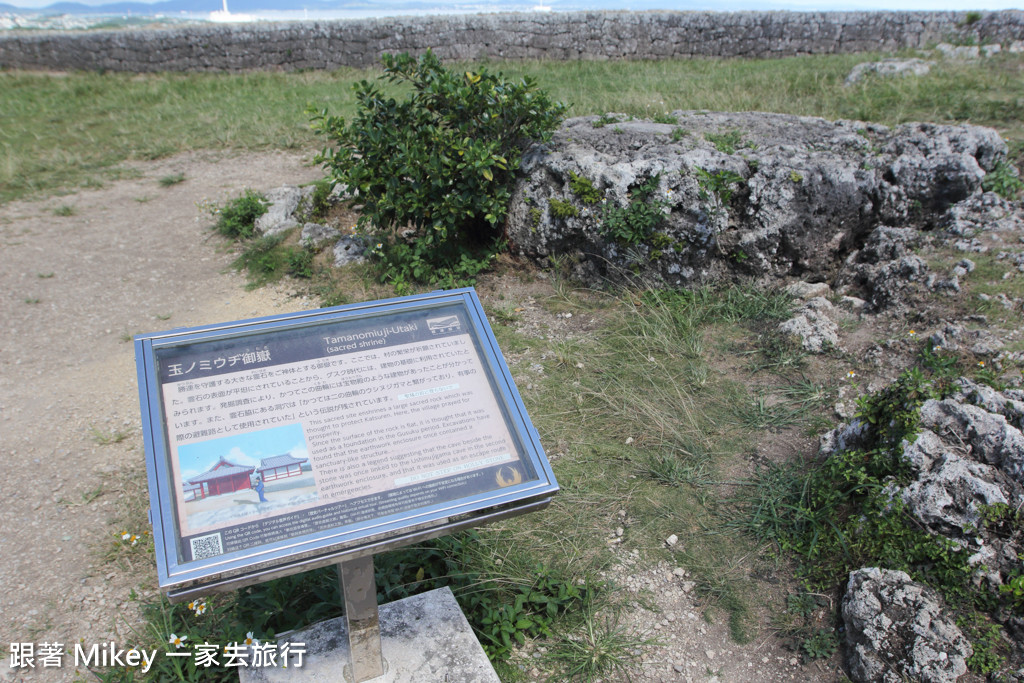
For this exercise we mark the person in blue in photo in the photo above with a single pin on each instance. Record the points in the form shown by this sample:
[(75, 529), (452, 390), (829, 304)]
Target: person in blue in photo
[(259, 488)]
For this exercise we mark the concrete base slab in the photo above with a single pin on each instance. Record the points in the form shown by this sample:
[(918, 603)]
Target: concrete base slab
[(424, 638)]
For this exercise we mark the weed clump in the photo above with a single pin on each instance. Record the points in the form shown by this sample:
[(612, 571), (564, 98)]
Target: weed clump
[(237, 218), (503, 609), (583, 188), (434, 169), (561, 209), (268, 259), (728, 142), (1004, 180), (634, 223)]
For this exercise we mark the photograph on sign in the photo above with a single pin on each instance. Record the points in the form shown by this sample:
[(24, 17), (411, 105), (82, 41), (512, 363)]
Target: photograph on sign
[(318, 424), (253, 474)]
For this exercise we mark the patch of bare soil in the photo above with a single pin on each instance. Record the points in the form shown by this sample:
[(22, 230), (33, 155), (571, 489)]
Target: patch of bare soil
[(82, 274)]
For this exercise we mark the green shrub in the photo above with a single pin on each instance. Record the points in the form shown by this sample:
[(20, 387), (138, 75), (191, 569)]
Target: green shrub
[(434, 168), (604, 120), (237, 219), (633, 223), (1013, 591), (503, 610), (320, 201)]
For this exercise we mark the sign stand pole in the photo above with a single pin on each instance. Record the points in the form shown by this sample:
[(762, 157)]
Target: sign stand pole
[(359, 591)]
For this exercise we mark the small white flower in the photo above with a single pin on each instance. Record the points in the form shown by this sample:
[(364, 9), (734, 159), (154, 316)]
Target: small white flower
[(177, 641)]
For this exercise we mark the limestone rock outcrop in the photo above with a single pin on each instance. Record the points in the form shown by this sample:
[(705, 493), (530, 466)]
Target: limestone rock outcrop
[(896, 631), (717, 196)]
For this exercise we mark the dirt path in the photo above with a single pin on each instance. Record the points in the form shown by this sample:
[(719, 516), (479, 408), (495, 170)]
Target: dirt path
[(77, 282)]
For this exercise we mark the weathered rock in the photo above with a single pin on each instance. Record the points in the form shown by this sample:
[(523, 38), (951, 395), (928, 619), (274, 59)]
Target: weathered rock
[(985, 212), (924, 450), (959, 51), (896, 631), (315, 235), (284, 201), (938, 166), (854, 304), (740, 194), (1009, 404), (844, 437), (884, 268), (947, 497), (349, 249), (805, 291), (814, 327), (889, 68), (964, 267), (966, 460), (968, 51), (946, 285), (1015, 257), (991, 439)]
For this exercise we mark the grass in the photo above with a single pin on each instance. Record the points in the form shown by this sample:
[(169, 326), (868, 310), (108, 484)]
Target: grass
[(67, 131), (78, 129), (105, 438), (601, 647), (649, 427)]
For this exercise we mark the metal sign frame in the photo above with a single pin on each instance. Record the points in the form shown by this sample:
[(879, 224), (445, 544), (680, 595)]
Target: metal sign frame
[(183, 576)]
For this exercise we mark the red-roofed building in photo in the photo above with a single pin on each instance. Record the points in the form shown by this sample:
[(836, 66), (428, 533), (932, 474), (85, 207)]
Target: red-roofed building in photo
[(280, 467), (224, 477)]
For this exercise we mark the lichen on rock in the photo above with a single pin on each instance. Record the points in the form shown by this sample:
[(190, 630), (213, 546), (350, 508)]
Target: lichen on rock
[(896, 631)]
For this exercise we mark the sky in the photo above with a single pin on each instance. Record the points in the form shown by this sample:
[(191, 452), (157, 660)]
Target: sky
[(243, 449)]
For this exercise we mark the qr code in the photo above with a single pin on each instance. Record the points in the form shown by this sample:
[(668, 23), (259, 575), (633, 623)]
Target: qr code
[(206, 546)]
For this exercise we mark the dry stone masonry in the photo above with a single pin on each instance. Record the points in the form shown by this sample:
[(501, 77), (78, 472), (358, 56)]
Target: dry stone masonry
[(558, 36)]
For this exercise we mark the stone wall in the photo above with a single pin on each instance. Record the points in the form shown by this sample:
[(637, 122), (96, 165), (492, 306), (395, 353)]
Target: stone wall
[(560, 36)]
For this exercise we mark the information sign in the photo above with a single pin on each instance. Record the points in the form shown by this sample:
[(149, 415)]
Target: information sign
[(284, 443)]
